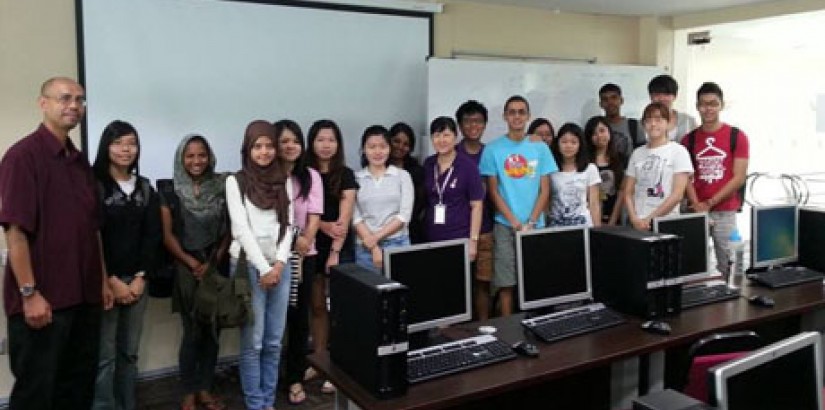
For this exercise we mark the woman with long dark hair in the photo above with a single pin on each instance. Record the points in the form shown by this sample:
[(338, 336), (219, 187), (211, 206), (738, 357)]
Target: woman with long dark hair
[(131, 236), (611, 163), (402, 144)]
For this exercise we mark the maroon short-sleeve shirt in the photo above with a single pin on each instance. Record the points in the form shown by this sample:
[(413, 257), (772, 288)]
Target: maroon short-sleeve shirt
[(48, 190)]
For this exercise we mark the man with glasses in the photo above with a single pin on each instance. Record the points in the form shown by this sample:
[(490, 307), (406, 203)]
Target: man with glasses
[(719, 154), (518, 181), (55, 283)]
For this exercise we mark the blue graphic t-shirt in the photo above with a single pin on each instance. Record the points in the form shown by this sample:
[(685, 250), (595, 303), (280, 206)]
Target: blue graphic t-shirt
[(518, 166)]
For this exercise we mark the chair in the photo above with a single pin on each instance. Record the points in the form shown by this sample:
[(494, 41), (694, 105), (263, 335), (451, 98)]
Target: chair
[(711, 351)]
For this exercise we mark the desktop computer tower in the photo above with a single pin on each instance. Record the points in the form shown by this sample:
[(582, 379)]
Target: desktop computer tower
[(636, 272), (368, 329)]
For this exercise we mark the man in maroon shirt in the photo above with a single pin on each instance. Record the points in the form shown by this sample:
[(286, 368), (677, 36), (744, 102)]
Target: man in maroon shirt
[(54, 284)]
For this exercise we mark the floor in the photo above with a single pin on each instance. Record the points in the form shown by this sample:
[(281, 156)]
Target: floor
[(164, 393)]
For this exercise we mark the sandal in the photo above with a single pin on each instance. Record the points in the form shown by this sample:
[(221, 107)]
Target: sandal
[(297, 395), (310, 374), (213, 403), (328, 387)]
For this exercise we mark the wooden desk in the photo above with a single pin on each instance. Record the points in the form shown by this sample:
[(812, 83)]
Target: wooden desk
[(579, 355)]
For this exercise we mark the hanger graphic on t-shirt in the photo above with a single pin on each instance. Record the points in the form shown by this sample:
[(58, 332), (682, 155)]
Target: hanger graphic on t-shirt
[(716, 152)]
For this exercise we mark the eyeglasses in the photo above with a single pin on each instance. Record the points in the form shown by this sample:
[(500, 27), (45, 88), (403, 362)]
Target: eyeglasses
[(521, 111), (68, 99)]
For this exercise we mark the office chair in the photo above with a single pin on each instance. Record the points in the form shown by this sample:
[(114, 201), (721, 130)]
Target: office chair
[(711, 351)]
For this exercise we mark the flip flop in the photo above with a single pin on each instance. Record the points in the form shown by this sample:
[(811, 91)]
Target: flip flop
[(297, 395), (310, 374)]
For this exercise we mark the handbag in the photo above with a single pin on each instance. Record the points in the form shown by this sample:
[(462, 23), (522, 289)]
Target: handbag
[(222, 302)]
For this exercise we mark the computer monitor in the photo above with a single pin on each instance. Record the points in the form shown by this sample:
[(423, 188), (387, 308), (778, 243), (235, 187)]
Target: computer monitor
[(773, 235), (784, 375), (553, 266), (694, 231), (438, 277), (811, 238)]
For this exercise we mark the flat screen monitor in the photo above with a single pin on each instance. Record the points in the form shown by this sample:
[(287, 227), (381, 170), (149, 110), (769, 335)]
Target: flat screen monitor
[(773, 235), (553, 266), (811, 238), (694, 231), (438, 276), (785, 375)]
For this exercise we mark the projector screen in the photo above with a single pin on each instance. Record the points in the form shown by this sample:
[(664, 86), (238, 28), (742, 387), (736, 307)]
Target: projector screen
[(175, 67)]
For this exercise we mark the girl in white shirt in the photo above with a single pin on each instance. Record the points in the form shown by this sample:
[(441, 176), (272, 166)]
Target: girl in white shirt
[(261, 214), (575, 195), (657, 173)]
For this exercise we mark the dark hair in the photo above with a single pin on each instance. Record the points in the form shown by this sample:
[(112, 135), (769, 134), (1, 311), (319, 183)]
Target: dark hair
[(369, 132), (710, 88), (663, 84), (615, 158), (113, 131), (610, 88), (470, 107), (516, 98), (443, 123), (538, 122), (653, 107), (582, 157), (299, 170), (337, 162)]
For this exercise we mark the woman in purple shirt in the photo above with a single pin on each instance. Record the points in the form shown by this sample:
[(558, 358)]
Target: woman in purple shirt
[(453, 187)]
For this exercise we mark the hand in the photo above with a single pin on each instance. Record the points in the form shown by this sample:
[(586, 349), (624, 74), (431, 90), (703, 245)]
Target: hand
[(273, 277), (642, 224), (302, 245), (200, 270), (137, 286), (37, 311), (332, 260), (377, 257), (370, 241), (108, 297), (473, 250), (339, 230), (526, 227), (121, 292), (701, 207)]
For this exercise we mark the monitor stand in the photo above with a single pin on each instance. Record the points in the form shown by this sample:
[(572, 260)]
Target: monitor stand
[(427, 338)]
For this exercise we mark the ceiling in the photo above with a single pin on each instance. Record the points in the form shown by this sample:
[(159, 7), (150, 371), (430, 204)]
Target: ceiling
[(625, 7)]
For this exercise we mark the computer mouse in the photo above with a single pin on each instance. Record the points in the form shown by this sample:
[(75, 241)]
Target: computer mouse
[(657, 327), (526, 349), (762, 300)]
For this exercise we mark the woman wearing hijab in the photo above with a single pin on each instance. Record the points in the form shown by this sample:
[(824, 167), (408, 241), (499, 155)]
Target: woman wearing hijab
[(261, 214), (195, 233)]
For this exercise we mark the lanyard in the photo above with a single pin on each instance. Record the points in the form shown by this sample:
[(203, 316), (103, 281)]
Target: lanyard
[(439, 189)]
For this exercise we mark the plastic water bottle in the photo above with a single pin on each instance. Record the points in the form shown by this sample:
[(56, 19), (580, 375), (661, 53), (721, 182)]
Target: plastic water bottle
[(736, 255)]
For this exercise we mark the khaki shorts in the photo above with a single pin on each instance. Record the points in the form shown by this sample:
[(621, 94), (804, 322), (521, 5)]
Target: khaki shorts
[(484, 258)]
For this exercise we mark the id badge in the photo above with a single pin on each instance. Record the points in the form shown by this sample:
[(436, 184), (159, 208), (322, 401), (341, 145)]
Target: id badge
[(440, 214)]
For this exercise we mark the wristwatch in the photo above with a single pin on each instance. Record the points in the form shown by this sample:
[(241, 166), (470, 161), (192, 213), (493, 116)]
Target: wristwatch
[(27, 290), (141, 274)]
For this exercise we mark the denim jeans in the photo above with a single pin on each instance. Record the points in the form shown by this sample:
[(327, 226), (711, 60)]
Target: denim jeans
[(261, 341), (363, 256), (120, 331)]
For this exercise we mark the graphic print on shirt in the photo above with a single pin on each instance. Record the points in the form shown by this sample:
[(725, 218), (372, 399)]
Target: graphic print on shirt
[(710, 162), (516, 166), (607, 187), (568, 207), (653, 170)]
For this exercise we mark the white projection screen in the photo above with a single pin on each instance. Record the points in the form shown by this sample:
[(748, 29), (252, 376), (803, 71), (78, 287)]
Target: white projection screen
[(175, 67)]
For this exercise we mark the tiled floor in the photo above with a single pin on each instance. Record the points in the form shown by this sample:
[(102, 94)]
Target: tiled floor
[(164, 393)]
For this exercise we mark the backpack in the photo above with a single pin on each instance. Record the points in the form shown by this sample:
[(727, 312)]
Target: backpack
[(734, 134), (161, 280)]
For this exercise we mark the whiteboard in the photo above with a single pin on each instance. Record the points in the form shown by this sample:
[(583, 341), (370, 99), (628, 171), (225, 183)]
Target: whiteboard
[(175, 67), (560, 92)]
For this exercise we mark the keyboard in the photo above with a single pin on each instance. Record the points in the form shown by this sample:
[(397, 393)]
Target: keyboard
[(779, 278), (458, 356), (561, 325), (704, 293)]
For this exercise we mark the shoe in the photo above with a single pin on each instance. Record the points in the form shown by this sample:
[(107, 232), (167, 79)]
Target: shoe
[(297, 395), (328, 388)]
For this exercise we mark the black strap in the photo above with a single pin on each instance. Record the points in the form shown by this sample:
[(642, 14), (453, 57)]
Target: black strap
[(633, 128)]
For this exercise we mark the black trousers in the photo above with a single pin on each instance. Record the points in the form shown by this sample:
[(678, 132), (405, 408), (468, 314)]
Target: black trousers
[(55, 366), (297, 321)]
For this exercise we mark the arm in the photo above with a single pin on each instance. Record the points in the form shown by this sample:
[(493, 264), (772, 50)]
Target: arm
[(476, 208), (740, 174), (628, 194), (151, 236), (594, 204), (501, 205), (108, 298), (543, 200), (170, 241), (345, 208), (618, 206), (693, 198), (405, 209), (241, 230), (36, 309), (680, 181)]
